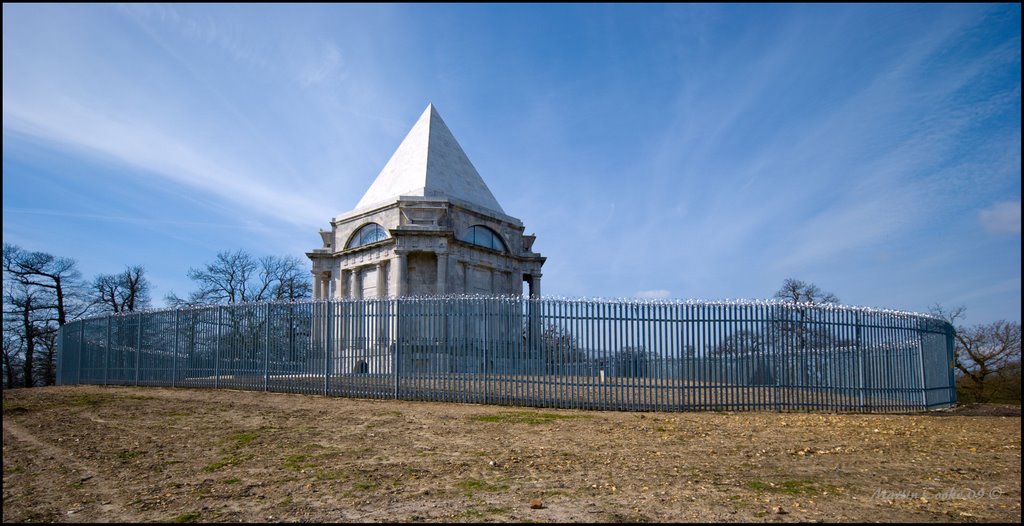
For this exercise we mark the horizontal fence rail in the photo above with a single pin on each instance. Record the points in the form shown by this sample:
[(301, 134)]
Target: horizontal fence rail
[(566, 353)]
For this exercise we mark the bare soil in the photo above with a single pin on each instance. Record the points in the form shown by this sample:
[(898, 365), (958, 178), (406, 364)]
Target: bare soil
[(124, 454)]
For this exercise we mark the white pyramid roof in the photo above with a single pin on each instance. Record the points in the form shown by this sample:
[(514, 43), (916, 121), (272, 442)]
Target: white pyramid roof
[(429, 163)]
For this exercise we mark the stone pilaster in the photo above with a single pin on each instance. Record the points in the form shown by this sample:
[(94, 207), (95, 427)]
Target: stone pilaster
[(442, 273)]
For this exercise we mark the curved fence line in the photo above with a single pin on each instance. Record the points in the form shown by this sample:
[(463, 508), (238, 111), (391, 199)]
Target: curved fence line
[(568, 353)]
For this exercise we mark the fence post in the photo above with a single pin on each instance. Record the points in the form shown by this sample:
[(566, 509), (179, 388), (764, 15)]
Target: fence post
[(951, 357), (266, 352), (924, 376), (174, 353), (138, 349), (216, 349), (81, 350), (487, 341), (62, 333), (327, 348), (106, 357), (860, 357), (396, 353)]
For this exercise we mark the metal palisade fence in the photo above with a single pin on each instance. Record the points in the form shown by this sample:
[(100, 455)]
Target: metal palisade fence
[(568, 353)]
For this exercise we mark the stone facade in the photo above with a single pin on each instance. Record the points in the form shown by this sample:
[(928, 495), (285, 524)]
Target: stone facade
[(439, 230)]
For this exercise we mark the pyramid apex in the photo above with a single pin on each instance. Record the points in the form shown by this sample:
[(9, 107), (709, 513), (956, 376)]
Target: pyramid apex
[(429, 163)]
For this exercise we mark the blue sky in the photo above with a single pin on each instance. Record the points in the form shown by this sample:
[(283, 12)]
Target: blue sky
[(683, 151)]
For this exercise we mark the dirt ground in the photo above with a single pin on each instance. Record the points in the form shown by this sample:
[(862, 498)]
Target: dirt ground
[(121, 454)]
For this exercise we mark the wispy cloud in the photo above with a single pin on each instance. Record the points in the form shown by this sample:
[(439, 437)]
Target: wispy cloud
[(138, 220), (653, 294), (1001, 218), (327, 65), (66, 123), (206, 30)]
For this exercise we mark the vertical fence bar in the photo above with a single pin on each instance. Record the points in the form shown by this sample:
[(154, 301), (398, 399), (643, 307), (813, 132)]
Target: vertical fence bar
[(396, 353), (860, 358), (266, 348), (326, 310), (138, 347), (106, 356), (216, 348), (951, 361), (81, 351), (62, 347), (174, 354)]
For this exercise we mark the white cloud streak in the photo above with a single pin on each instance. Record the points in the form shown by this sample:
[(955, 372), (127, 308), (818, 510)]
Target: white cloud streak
[(1001, 218), (653, 294)]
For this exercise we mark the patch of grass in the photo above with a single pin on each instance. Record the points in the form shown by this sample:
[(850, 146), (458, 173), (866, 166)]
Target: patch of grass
[(12, 407), (759, 486), (242, 439), (231, 460), (364, 486), (139, 397), (331, 474), (91, 400), (738, 501), (798, 487), (233, 480), (791, 487), (128, 455), (300, 461), (187, 517), (297, 462), (13, 469), (525, 417), (232, 457), (471, 513), (470, 485)]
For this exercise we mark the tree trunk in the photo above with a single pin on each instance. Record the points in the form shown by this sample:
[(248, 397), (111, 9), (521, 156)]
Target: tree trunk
[(30, 341)]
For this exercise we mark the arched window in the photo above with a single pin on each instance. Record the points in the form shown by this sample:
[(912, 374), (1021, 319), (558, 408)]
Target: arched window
[(368, 233), (484, 237)]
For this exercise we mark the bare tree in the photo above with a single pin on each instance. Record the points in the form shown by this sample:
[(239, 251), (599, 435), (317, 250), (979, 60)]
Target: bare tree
[(238, 277), (797, 327), (13, 351), (41, 293), (126, 291), (59, 276), (796, 291), (796, 321), (293, 282), (983, 350), (741, 342)]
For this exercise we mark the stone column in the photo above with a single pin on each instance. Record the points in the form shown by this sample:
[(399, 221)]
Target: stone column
[(442, 273), (338, 285), (401, 268), (535, 286), (351, 284), (325, 285), (357, 283), (382, 284), (316, 285)]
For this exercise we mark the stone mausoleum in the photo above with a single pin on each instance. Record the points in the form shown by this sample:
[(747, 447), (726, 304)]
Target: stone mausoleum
[(428, 225)]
